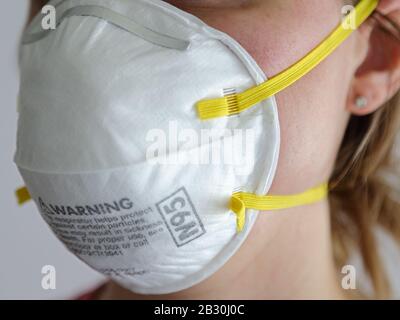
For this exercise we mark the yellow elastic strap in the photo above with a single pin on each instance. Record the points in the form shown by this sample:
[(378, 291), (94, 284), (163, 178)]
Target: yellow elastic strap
[(235, 103), (241, 201), (22, 195)]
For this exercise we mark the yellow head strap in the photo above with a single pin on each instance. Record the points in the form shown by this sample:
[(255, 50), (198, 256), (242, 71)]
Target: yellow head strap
[(236, 103), (241, 201)]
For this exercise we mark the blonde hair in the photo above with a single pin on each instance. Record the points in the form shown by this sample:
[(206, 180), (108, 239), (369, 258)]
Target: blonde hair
[(362, 196)]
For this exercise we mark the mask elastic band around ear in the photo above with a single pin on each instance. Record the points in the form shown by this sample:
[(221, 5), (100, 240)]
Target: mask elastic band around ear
[(220, 107)]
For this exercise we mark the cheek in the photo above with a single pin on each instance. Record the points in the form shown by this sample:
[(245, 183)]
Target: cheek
[(312, 112), (313, 120)]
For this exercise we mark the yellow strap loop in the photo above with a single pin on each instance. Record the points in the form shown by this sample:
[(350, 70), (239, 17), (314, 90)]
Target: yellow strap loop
[(241, 201), (22, 195), (235, 103)]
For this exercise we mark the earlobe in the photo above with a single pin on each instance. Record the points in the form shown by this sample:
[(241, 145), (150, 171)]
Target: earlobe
[(369, 92)]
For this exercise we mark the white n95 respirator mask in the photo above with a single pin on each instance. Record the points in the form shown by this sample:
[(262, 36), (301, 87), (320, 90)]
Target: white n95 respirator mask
[(149, 140)]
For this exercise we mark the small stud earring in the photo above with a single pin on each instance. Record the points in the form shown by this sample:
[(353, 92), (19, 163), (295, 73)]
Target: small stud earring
[(361, 102)]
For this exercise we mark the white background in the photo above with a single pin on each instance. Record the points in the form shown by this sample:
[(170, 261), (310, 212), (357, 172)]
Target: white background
[(26, 243)]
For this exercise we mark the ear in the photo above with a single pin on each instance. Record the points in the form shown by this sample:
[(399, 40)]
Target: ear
[(378, 77)]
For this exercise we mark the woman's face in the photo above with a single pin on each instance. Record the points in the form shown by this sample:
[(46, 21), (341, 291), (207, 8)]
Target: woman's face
[(312, 112)]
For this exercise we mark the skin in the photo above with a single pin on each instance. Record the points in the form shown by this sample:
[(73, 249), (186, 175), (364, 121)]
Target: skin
[(289, 253)]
